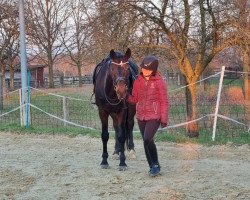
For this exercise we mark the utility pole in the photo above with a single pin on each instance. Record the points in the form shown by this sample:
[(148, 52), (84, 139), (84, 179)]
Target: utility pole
[(23, 57), (1, 90)]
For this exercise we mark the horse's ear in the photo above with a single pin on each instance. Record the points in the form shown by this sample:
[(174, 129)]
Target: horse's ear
[(128, 53), (112, 54)]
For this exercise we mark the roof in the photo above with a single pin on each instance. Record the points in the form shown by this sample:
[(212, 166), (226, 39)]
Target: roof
[(35, 66)]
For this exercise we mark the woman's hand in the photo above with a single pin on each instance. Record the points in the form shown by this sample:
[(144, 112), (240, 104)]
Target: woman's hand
[(127, 96)]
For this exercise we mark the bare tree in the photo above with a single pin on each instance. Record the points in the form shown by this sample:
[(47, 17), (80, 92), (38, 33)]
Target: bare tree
[(194, 32), (113, 27), (8, 29), (8, 38), (77, 38), (46, 20), (12, 61)]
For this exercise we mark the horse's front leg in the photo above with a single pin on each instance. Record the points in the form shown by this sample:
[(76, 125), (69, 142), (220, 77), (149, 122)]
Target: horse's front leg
[(117, 143), (119, 124), (105, 137), (121, 138)]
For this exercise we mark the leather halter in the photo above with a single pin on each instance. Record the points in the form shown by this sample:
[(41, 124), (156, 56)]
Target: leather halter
[(122, 78), (121, 63)]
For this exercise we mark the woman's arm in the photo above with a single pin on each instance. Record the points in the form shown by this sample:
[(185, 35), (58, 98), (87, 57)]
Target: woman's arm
[(163, 98), (133, 99)]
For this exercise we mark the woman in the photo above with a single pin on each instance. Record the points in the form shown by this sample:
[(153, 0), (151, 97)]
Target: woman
[(150, 96)]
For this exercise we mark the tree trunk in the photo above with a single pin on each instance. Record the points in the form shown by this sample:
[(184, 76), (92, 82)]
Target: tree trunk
[(12, 78), (1, 91), (51, 76), (246, 69), (4, 83), (191, 105), (79, 74)]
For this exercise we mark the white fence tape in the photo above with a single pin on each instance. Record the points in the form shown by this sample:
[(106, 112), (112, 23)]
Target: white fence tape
[(15, 109), (238, 72), (195, 82), (8, 93), (160, 129), (186, 123), (54, 116)]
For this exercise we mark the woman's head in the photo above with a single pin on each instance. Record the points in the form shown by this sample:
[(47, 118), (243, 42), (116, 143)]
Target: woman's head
[(150, 63), (146, 72)]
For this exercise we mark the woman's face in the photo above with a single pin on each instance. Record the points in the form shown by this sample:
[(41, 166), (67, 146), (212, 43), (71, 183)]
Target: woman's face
[(146, 72)]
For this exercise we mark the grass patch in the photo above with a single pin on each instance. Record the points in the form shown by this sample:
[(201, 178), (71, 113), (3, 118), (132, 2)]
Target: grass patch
[(70, 131), (179, 136), (205, 137)]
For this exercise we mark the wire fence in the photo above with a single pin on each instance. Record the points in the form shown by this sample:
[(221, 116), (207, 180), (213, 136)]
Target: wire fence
[(73, 108), (9, 110)]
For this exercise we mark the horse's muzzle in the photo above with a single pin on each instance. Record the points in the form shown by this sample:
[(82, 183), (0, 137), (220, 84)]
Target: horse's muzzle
[(121, 90)]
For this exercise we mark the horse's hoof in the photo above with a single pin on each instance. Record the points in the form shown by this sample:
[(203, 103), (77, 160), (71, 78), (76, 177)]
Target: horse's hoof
[(105, 166), (131, 155), (122, 168), (116, 156)]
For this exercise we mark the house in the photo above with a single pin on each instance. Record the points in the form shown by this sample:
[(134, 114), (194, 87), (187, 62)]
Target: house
[(36, 78), (37, 75)]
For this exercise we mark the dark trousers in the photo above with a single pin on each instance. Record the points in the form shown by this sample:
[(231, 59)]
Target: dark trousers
[(148, 130)]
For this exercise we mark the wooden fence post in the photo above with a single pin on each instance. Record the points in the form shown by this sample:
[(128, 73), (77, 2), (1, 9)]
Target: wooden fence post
[(21, 108), (65, 110), (218, 102)]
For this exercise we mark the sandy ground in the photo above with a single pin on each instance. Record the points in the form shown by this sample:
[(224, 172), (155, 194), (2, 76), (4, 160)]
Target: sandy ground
[(60, 167)]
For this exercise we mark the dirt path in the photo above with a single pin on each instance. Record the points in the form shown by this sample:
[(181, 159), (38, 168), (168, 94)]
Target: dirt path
[(59, 167)]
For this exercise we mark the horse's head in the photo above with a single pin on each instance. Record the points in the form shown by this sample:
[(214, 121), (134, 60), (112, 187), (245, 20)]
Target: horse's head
[(120, 72)]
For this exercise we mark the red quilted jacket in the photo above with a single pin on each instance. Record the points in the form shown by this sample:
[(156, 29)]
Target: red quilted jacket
[(150, 98)]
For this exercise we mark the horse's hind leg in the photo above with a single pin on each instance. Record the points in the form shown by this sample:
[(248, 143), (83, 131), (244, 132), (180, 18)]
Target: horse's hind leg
[(129, 131), (105, 137)]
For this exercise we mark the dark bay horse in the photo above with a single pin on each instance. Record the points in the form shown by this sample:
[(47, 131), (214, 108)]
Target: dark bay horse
[(113, 79)]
